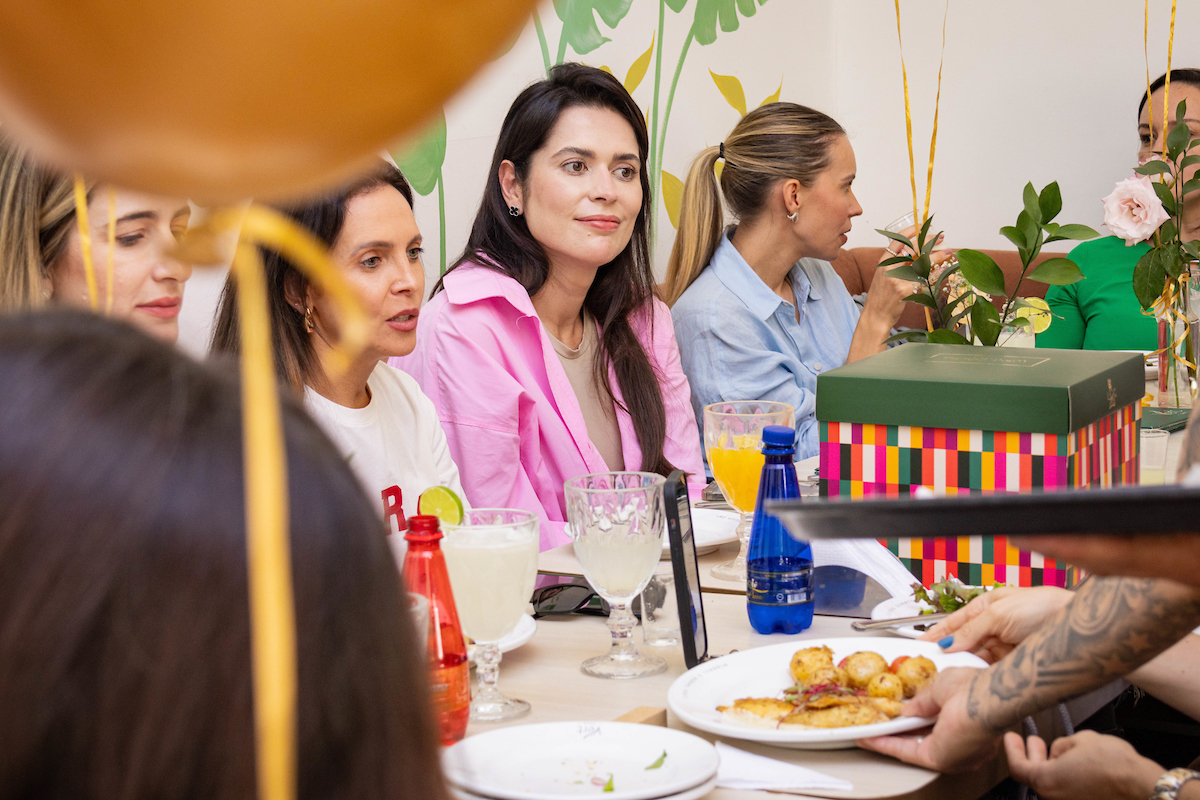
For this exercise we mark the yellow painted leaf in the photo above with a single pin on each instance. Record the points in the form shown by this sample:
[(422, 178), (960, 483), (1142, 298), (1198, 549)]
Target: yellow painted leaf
[(672, 194), (638, 70), (731, 89), (605, 68), (775, 97)]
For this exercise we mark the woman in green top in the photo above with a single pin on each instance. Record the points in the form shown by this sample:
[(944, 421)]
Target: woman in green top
[(1102, 312)]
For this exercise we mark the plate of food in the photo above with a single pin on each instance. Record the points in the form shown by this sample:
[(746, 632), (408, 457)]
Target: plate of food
[(948, 595), (711, 527), (814, 694)]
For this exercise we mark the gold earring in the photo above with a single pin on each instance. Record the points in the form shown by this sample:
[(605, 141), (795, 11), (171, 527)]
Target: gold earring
[(309, 324)]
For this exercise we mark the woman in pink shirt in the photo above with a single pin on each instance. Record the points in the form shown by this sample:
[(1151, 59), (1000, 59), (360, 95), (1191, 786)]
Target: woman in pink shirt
[(543, 348)]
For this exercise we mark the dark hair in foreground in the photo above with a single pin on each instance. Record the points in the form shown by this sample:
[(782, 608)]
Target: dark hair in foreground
[(622, 287), (1183, 75), (124, 626), (324, 216)]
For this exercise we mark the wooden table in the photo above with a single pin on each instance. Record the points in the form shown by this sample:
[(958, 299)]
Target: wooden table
[(546, 673)]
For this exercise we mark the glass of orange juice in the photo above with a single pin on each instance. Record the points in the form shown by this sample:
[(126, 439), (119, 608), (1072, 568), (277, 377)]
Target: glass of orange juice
[(733, 443)]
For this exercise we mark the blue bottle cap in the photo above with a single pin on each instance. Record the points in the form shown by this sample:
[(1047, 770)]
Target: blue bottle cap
[(779, 436)]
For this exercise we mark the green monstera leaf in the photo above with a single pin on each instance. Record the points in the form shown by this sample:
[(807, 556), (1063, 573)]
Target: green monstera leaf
[(579, 22), (422, 161), (710, 12)]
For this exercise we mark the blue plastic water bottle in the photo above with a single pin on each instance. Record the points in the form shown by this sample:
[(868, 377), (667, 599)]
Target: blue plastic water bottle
[(779, 569)]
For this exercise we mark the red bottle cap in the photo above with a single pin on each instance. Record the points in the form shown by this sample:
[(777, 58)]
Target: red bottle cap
[(422, 528)]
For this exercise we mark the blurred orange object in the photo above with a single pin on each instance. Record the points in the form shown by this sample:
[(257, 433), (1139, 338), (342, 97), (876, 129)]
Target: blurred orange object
[(226, 99)]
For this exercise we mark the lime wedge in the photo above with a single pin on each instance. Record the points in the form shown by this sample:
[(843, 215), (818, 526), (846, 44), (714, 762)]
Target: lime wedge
[(1039, 317), (441, 502)]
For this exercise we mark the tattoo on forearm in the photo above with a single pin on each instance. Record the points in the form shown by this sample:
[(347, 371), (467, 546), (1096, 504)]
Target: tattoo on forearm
[(1112, 627)]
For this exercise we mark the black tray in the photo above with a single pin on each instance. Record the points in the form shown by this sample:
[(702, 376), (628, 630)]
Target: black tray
[(1127, 510)]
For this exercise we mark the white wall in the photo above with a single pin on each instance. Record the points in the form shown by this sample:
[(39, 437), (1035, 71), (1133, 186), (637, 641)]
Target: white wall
[(1033, 90)]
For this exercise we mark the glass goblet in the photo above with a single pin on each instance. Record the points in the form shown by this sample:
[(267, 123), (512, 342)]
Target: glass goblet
[(733, 444), (492, 557), (616, 520)]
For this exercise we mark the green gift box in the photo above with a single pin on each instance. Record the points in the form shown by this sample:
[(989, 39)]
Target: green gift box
[(969, 419)]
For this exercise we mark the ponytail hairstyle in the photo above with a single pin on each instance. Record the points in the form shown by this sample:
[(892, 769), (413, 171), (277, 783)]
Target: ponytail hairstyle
[(323, 216), (775, 142), (37, 212), (622, 287)]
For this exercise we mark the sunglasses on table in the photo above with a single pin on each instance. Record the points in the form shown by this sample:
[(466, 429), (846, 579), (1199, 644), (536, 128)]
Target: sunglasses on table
[(576, 596)]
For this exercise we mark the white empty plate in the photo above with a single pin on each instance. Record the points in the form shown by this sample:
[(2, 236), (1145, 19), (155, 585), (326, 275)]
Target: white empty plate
[(763, 672), (711, 528), (554, 760)]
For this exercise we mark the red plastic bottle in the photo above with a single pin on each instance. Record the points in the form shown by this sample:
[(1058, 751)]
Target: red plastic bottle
[(449, 672)]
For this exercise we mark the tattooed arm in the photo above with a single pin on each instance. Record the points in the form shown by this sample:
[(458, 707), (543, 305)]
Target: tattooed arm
[(1113, 626)]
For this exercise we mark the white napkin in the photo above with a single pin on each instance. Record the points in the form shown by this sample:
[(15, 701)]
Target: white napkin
[(742, 770), (868, 557)]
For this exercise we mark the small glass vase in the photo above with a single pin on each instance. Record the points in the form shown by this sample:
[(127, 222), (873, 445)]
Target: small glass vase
[(1177, 362)]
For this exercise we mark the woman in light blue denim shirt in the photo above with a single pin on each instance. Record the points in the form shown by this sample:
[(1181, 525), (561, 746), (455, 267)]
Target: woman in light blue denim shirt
[(758, 310)]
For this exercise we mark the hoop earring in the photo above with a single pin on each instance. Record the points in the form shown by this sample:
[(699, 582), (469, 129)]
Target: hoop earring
[(309, 324), (513, 211), (792, 216)]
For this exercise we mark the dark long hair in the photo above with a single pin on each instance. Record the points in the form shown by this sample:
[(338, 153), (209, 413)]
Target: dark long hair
[(324, 216), (124, 623), (1183, 75), (623, 287)]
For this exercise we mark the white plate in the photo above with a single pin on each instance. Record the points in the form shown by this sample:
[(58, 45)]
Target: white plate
[(763, 672), (711, 528), (521, 634), (691, 794), (554, 760), (896, 608)]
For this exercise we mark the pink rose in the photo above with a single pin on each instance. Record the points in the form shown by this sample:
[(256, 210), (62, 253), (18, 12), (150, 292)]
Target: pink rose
[(1133, 211)]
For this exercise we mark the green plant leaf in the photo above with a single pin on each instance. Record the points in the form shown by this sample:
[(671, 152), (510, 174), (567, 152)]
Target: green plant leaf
[(1189, 160), (1167, 231), (1177, 140), (895, 260), (1074, 231), (1181, 111), (1165, 197), (579, 21), (1192, 248), (985, 322), (1191, 185), (904, 272), (931, 243), (945, 337), (1050, 201), (1015, 236), (923, 299), (672, 195), (1056, 272), (1029, 229), (1019, 322), (906, 336), (1153, 168), (945, 276), (923, 233), (962, 313), (1148, 278), (421, 161), (1173, 261), (897, 237), (922, 266), (1030, 196), (637, 70), (773, 98), (676, 5), (981, 271), (731, 90), (710, 12)]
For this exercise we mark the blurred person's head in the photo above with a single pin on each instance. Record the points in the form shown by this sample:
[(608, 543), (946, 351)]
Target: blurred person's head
[(1185, 86), (124, 624), (373, 240), (41, 255)]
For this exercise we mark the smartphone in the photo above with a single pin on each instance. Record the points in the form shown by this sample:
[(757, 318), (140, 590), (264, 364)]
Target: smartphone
[(687, 570)]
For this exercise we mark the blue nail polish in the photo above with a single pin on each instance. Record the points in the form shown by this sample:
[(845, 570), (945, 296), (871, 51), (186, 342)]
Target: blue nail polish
[(944, 643)]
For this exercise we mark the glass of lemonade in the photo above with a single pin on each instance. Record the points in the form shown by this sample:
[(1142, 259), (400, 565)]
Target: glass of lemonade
[(617, 521), (733, 444), (492, 559)]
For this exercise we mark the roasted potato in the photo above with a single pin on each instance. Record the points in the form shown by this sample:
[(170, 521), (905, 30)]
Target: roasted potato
[(829, 675), (861, 667), (915, 673), (808, 660), (887, 685), (887, 705)]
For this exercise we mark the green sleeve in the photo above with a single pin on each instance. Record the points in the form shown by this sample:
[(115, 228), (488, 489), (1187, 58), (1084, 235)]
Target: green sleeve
[(1067, 326)]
